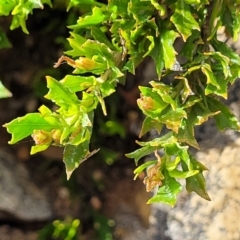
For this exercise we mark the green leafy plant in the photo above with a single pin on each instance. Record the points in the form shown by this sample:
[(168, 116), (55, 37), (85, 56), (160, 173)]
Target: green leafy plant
[(109, 40)]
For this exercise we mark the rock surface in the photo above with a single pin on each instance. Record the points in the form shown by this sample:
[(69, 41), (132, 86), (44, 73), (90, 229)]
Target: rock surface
[(196, 218), (20, 199)]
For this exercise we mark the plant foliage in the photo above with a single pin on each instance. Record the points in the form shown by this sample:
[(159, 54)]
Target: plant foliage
[(111, 39)]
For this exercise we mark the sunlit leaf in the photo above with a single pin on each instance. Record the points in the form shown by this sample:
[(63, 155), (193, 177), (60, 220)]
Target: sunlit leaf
[(142, 167), (22, 127), (60, 94), (97, 17), (183, 19)]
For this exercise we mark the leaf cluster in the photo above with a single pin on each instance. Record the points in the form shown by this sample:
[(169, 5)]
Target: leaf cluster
[(111, 39)]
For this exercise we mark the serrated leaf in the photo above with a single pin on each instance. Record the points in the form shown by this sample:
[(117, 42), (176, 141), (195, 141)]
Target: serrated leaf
[(92, 48), (157, 56), (191, 101), (168, 192), (225, 119), (190, 47), (211, 79), (223, 60), (186, 90), (97, 17), (141, 152), (183, 19), (173, 119), (120, 7), (60, 94), (215, 22), (78, 83), (100, 36), (165, 92), (141, 10), (73, 3), (222, 88), (6, 7), (197, 182), (73, 156), (169, 54), (76, 42), (161, 8), (186, 133), (151, 103), (175, 149), (172, 164), (227, 51), (200, 114), (149, 124), (39, 148), (22, 127)]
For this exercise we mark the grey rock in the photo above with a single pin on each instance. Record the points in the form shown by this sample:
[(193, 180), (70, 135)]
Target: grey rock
[(20, 198)]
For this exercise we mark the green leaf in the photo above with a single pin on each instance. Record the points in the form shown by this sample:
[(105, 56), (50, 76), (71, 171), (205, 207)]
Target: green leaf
[(211, 79), (161, 8), (172, 164), (78, 83), (165, 92), (200, 114), (221, 90), (143, 166), (76, 42), (149, 124), (157, 56), (4, 93), (151, 103), (190, 47), (197, 182), (225, 119), (168, 192), (120, 7), (60, 94), (151, 146), (97, 17), (73, 156), (39, 148), (141, 152), (186, 133), (183, 19), (225, 61), (173, 119), (182, 174), (6, 7), (22, 127), (169, 54), (227, 51), (100, 36), (141, 10)]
